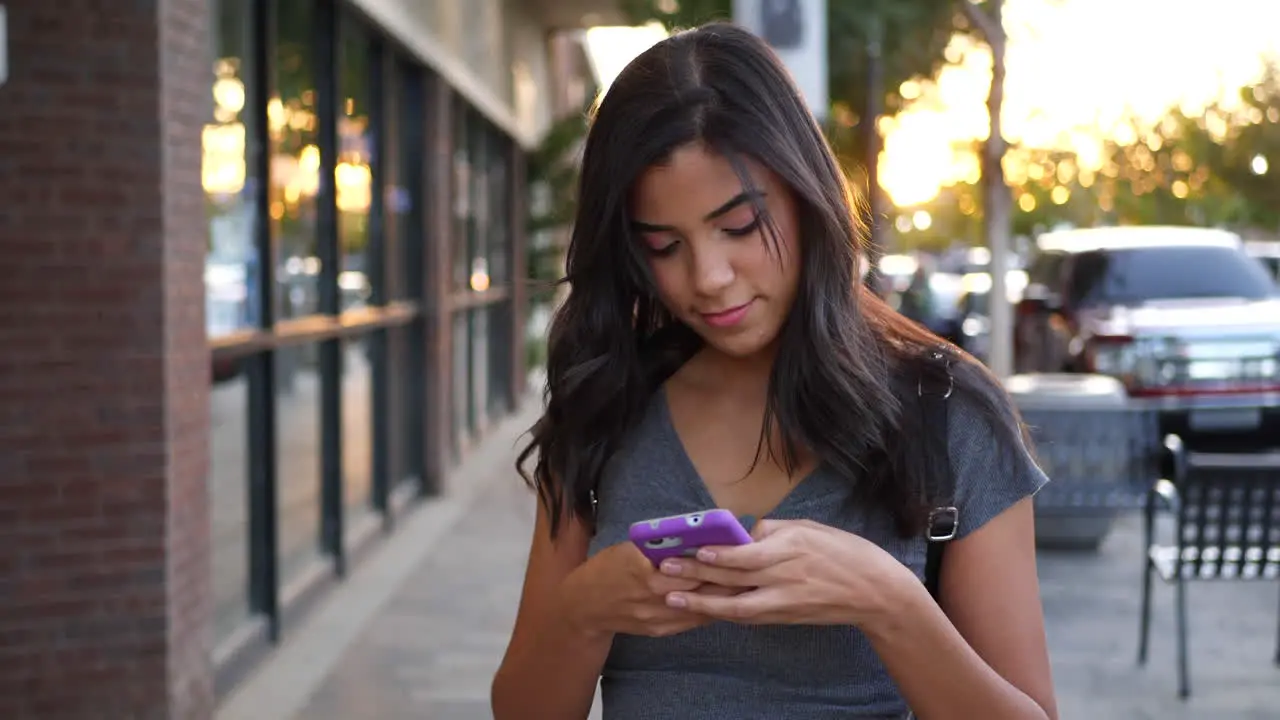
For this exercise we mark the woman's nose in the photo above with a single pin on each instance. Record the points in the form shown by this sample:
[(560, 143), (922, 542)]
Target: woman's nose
[(712, 272)]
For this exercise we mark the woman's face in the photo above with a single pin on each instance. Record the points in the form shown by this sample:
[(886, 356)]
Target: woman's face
[(709, 250)]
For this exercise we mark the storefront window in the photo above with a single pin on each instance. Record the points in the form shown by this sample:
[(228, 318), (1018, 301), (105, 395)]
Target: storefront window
[(298, 446), (463, 212), (231, 262), (463, 421), (499, 192), (230, 280), (479, 149), (353, 179), (295, 159)]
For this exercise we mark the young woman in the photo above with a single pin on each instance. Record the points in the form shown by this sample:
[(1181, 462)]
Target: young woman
[(719, 350)]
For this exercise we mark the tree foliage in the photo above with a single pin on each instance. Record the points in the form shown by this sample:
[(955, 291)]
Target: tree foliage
[(1188, 169)]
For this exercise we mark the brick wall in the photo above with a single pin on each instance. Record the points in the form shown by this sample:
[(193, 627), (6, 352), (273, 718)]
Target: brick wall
[(104, 602)]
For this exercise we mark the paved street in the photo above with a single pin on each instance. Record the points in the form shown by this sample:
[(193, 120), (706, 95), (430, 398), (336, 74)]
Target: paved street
[(430, 649)]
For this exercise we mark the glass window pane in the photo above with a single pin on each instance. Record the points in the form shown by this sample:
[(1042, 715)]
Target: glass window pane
[(480, 364), (295, 159), (401, 408), (231, 261), (462, 423), (462, 211), (499, 209), (298, 462), (228, 495), (479, 147), (500, 359), (394, 196), (409, 195), (357, 429), (352, 176), (1136, 275)]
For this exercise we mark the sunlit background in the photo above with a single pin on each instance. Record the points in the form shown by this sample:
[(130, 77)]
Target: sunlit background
[(1079, 72)]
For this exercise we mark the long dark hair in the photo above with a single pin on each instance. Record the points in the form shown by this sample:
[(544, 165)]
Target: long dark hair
[(846, 361)]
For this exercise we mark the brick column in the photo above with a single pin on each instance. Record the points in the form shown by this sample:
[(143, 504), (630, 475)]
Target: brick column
[(104, 368)]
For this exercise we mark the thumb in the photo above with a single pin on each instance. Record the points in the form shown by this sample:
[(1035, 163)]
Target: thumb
[(765, 528)]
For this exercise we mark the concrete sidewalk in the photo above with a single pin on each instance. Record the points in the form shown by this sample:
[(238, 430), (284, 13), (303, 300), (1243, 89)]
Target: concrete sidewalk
[(418, 632)]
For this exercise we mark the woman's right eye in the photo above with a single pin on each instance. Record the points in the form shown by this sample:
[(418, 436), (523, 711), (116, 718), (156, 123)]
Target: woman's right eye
[(659, 244), (660, 250)]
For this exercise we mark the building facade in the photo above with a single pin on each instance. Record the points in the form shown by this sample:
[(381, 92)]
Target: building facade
[(266, 266)]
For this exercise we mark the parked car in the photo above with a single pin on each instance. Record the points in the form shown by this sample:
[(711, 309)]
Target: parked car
[(1183, 317), (1268, 252)]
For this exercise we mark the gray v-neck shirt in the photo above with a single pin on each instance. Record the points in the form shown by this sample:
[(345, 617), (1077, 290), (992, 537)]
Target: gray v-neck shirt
[(726, 671)]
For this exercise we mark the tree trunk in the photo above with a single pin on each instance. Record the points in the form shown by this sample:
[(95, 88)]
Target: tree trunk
[(871, 146), (997, 203)]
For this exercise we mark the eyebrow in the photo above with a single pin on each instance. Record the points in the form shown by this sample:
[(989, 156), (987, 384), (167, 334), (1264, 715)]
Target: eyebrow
[(740, 198)]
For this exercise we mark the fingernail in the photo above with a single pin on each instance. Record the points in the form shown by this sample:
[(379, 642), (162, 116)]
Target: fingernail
[(676, 601), (671, 567), (706, 555)]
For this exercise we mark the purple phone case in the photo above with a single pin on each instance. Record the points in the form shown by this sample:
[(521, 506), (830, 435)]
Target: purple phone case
[(682, 535)]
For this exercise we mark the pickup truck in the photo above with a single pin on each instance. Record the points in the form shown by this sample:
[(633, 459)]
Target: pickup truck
[(1185, 318)]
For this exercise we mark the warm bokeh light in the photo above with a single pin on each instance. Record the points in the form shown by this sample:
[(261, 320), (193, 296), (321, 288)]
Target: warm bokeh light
[(609, 49), (1078, 72)]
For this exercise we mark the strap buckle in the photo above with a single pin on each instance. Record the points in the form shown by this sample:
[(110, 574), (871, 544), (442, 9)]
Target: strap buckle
[(940, 357), (944, 524)]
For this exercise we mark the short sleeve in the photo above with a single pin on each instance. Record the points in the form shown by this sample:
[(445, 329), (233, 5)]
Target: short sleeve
[(992, 472)]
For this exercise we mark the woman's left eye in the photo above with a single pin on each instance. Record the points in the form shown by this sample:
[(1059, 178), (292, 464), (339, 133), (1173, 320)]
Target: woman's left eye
[(745, 229)]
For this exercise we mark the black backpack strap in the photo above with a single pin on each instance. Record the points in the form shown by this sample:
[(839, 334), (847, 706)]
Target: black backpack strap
[(933, 389)]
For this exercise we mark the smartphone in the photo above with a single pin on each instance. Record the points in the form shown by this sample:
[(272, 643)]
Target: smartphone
[(682, 535)]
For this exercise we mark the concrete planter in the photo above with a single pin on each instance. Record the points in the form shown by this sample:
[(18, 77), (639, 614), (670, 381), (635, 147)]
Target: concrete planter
[(1094, 445)]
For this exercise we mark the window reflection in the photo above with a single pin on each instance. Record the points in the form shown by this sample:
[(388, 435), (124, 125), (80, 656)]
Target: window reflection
[(405, 413), (352, 176), (480, 368), (481, 173), (357, 429), (231, 261), (463, 422), (479, 150), (228, 502), (500, 331), (396, 197), (298, 463), (295, 159), (463, 214), (499, 246)]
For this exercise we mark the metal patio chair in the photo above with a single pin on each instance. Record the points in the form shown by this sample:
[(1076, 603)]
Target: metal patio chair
[(1226, 517)]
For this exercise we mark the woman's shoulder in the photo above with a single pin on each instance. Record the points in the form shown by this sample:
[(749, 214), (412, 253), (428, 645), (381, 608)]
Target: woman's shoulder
[(991, 461), (960, 378)]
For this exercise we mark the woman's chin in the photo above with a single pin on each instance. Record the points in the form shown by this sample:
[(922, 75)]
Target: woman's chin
[(739, 346)]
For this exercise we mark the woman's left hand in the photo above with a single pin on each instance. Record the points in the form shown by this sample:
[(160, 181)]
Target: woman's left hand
[(795, 572)]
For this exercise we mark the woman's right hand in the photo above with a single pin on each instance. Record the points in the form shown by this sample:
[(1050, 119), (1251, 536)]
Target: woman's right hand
[(619, 591)]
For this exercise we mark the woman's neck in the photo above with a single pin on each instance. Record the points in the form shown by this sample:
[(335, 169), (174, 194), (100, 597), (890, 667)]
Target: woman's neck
[(713, 372)]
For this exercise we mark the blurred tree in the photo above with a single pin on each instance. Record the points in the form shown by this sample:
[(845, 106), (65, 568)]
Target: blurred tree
[(987, 18), (1247, 157), (1172, 184)]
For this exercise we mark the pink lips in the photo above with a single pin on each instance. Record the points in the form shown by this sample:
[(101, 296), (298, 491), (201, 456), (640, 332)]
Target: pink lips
[(727, 318)]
